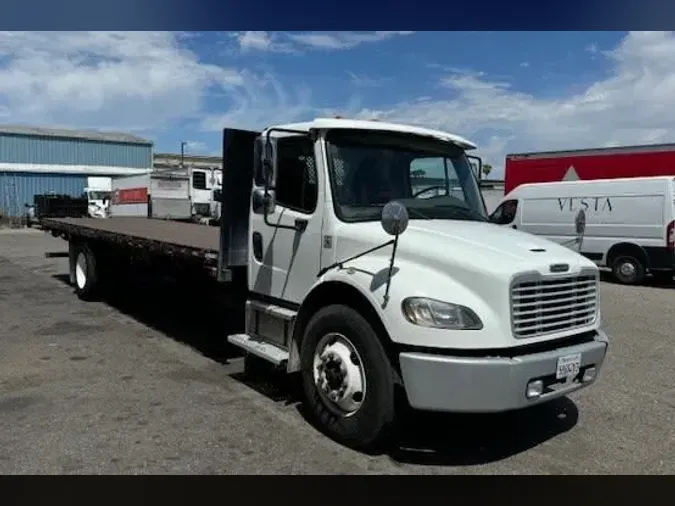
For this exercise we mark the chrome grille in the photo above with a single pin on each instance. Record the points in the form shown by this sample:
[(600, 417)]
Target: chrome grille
[(541, 306)]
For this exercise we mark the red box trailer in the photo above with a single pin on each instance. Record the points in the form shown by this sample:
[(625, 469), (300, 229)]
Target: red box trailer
[(588, 164)]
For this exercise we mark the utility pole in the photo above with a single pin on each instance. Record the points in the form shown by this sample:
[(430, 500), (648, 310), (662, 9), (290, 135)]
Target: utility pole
[(182, 154)]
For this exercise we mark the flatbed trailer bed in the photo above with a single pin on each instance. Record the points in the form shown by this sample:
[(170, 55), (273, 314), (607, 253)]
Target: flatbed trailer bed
[(174, 234), (154, 236)]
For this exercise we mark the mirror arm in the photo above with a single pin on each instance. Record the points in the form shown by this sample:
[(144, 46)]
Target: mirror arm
[(298, 227), (341, 263), (385, 299)]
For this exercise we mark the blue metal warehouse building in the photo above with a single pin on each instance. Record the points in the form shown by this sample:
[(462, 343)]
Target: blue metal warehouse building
[(35, 161)]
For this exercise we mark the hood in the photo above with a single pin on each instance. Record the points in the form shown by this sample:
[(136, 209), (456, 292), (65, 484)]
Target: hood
[(97, 209), (468, 248)]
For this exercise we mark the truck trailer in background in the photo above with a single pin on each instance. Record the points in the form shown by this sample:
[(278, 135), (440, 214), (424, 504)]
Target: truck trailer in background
[(164, 195), (589, 164)]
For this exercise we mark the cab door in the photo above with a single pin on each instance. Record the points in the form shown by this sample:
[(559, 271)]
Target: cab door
[(286, 241)]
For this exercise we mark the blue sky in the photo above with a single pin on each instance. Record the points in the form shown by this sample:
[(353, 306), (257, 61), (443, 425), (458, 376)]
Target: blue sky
[(506, 91)]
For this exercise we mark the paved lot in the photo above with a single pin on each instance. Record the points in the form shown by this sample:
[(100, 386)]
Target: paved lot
[(133, 386)]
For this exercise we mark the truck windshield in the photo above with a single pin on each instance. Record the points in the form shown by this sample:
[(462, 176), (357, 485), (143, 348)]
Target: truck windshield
[(432, 178), (99, 195)]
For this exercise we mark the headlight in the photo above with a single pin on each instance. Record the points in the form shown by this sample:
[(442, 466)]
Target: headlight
[(442, 315)]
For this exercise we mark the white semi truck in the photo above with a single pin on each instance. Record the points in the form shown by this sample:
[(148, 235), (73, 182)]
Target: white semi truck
[(339, 271), (98, 190), (205, 187)]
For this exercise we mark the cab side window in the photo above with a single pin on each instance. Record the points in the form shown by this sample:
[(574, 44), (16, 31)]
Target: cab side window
[(297, 182), (505, 213), (199, 180)]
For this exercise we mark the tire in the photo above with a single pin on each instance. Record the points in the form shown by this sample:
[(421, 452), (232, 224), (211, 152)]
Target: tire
[(628, 270), (86, 274), (370, 426)]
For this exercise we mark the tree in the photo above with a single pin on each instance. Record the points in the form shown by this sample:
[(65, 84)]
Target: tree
[(487, 168), (418, 173)]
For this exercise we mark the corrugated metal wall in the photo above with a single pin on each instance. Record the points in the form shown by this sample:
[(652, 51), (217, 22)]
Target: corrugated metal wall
[(19, 188), (48, 150)]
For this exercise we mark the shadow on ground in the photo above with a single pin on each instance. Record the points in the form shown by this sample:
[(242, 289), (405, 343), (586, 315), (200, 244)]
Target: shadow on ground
[(446, 439), (194, 316), (463, 440)]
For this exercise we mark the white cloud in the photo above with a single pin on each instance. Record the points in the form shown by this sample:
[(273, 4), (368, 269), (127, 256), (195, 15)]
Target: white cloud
[(341, 40), (634, 104), (363, 81), (195, 147), (261, 102), (262, 41), (254, 40), (122, 80), (289, 42), (142, 81)]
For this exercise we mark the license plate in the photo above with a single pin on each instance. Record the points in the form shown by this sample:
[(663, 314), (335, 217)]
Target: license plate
[(568, 365)]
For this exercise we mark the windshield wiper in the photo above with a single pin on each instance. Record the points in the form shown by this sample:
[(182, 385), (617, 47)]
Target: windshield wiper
[(465, 210), (417, 213), (410, 210)]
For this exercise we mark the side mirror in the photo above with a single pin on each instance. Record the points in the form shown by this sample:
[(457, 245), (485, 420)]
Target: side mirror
[(268, 164), (263, 202), (394, 218), (476, 166), (580, 226), (268, 173), (580, 223)]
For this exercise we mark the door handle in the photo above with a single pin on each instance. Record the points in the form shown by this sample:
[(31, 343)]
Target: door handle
[(257, 246), (300, 224)]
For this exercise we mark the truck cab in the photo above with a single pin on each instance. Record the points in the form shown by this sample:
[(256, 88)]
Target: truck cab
[(205, 186), (369, 264), (98, 191)]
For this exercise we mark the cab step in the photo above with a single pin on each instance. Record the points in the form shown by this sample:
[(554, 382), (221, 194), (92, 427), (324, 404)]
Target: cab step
[(259, 348)]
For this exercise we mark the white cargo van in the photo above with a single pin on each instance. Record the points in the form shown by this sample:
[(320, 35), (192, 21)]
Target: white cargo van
[(630, 223)]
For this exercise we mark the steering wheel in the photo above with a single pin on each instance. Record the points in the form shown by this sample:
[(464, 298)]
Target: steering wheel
[(415, 195)]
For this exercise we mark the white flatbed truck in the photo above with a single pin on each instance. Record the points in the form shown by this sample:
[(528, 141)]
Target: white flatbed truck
[(350, 272)]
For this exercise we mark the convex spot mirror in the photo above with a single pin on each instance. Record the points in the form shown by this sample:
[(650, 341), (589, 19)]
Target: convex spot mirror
[(394, 218), (263, 201)]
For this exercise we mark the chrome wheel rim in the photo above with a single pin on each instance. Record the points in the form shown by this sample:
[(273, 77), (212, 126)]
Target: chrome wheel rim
[(339, 374)]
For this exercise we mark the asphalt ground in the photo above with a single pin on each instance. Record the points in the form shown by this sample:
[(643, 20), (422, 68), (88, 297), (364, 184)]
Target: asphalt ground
[(143, 383)]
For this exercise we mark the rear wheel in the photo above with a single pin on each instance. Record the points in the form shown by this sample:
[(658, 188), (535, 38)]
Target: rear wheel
[(347, 379), (86, 274), (628, 270)]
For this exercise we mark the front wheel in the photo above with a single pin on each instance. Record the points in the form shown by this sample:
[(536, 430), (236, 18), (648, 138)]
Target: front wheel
[(628, 270), (347, 379)]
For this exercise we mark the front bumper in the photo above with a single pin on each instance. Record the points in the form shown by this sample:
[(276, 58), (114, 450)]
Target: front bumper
[(493, 384)]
